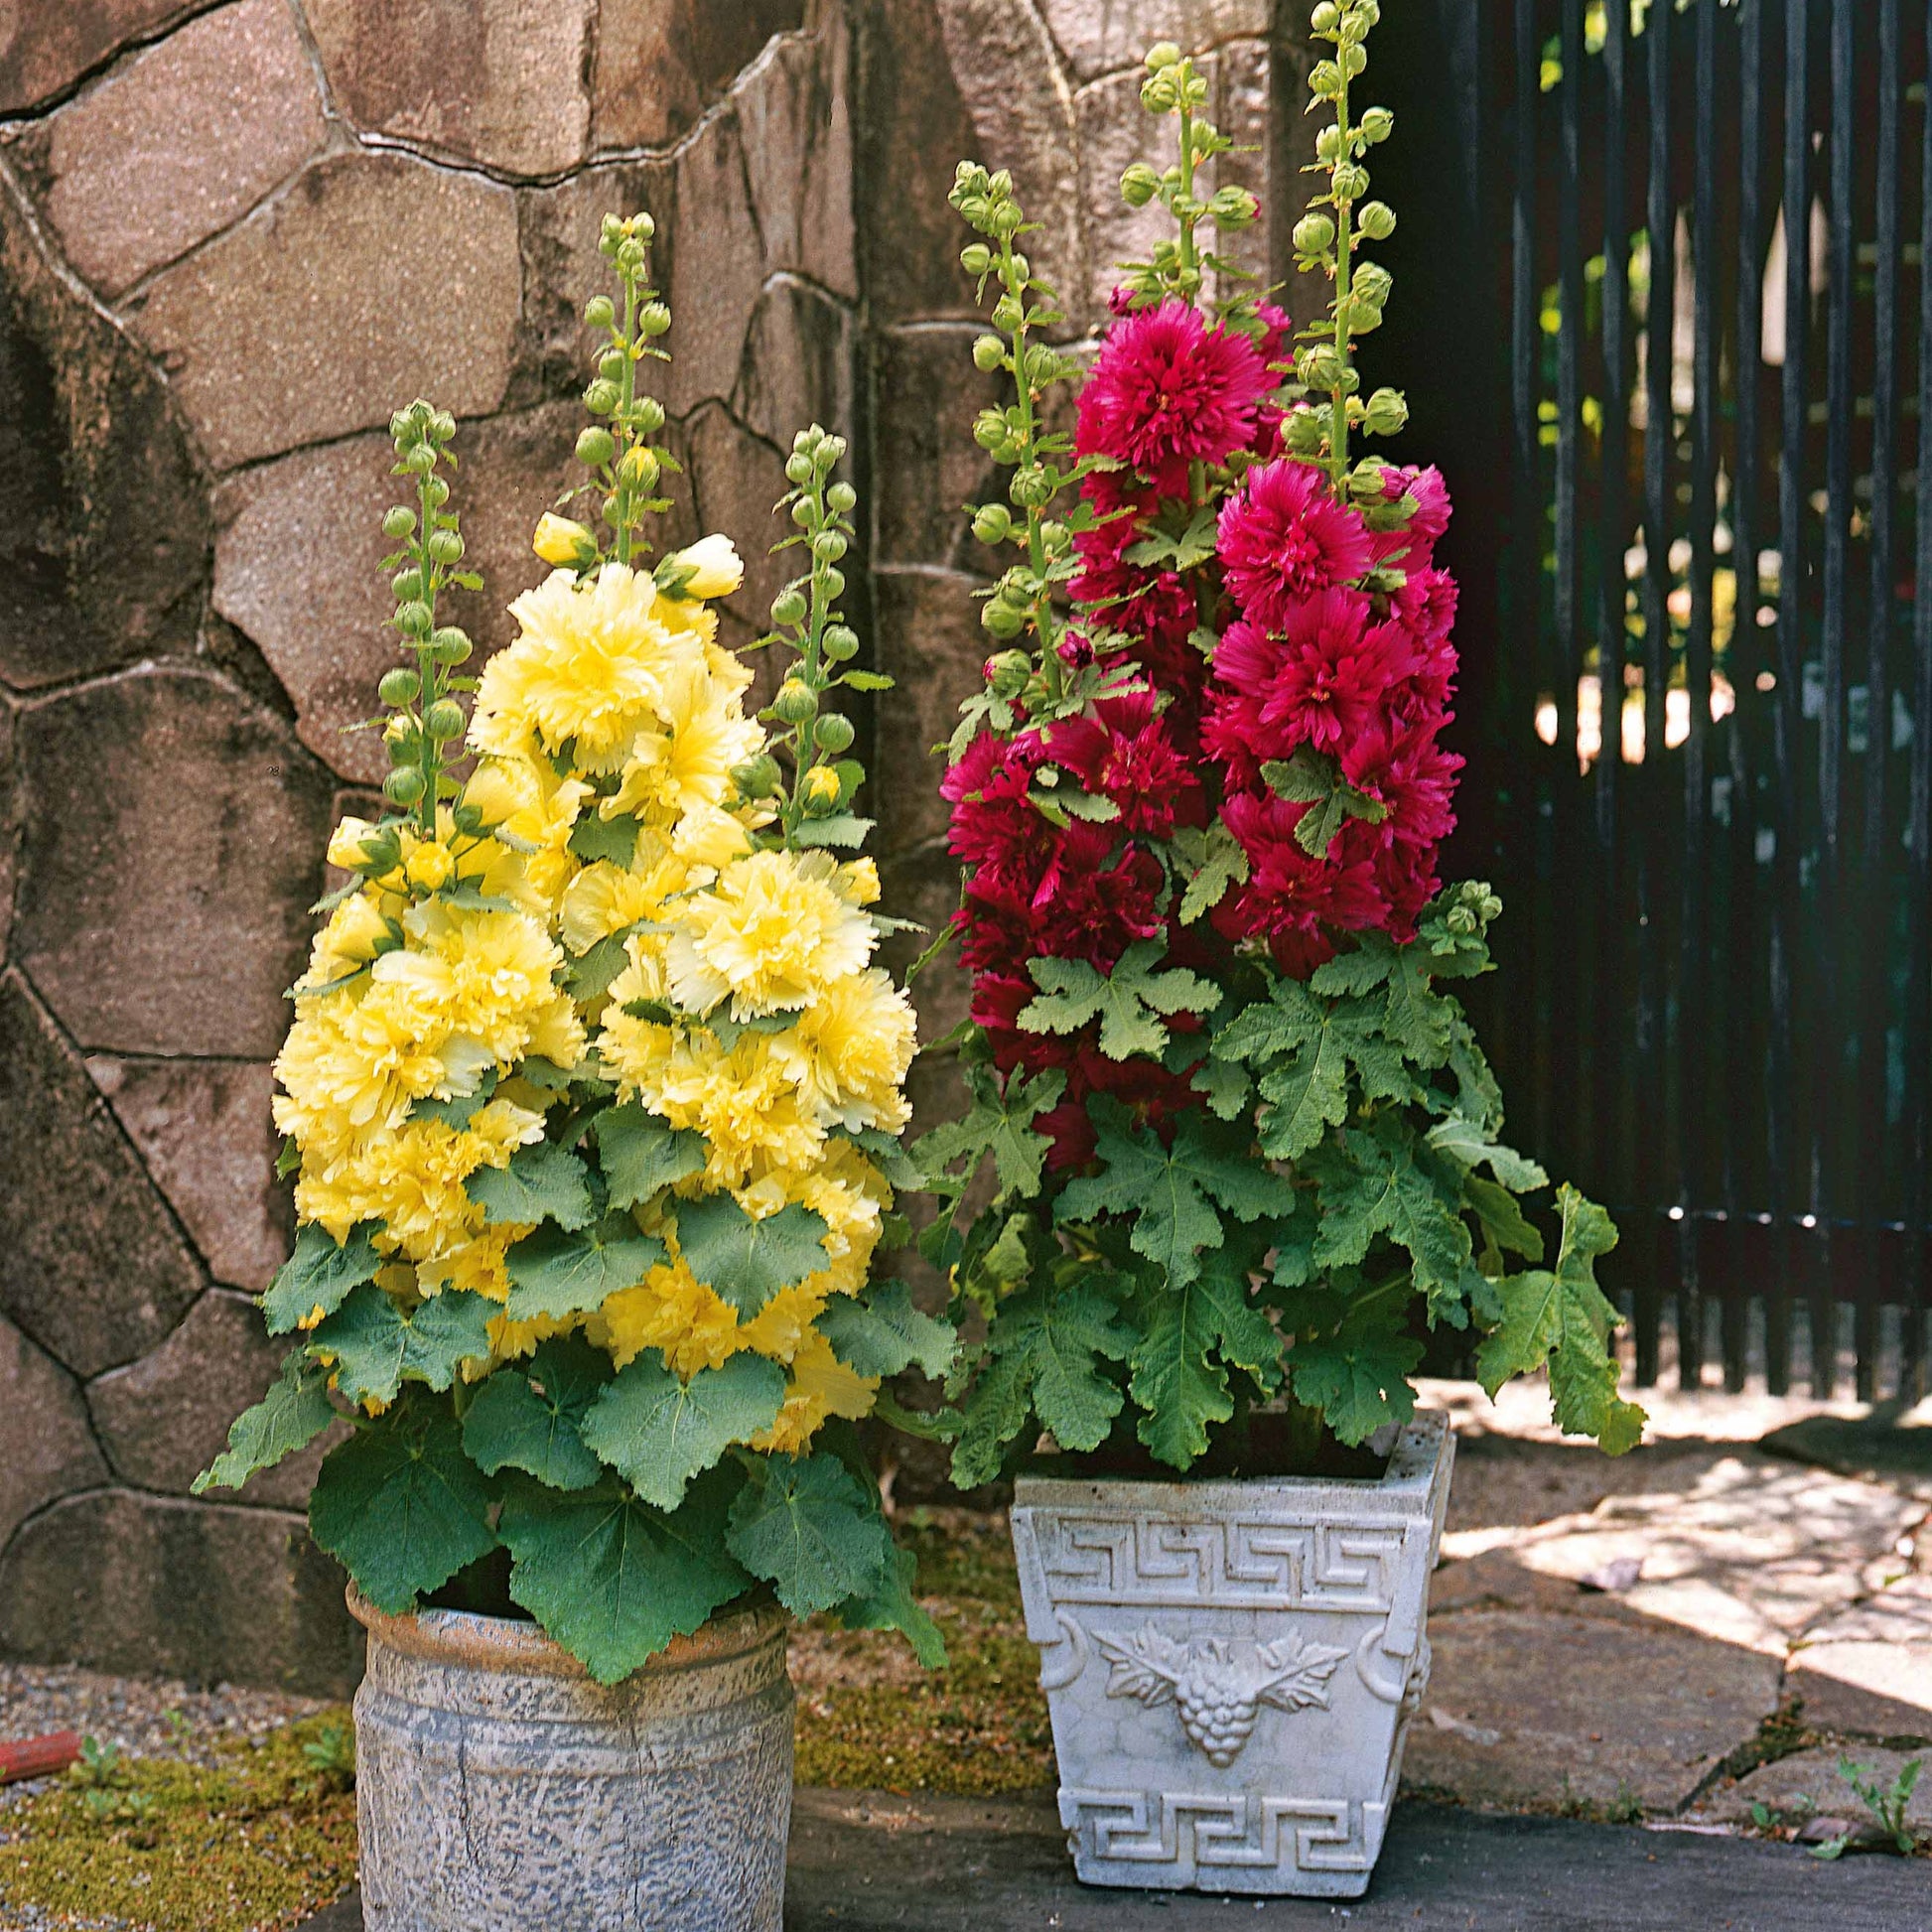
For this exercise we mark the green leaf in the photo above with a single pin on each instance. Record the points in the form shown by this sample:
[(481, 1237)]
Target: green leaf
[(1560, 1317), (1167, 550), (462, 1109), (1177, 1379), (867, 680), (319, 1275), (1174, 1195), (1306, 1094), (592, 973), (843, 829), (1312, 778), (893, 1606), (1357, 1376), (614, 1580), (1462, 1140), (542, 1184), (378, 1346), (1419, 1017), (885, 1334), (293, 1413), (806, 1526), (640, 1154), (1211, 861), (997, 1124), (886, 1152), (1360, 971), (401, 1505), (1227, 1088), (747, 1262), (615, 839), (1502, 1219), (1129, 1002), (529, 1414), (557, 1274), (1372, 1185), (659, 1431)]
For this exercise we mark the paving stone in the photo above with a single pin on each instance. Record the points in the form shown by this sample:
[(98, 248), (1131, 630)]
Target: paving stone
[(299, 542), (167, 912), (1115, 34), (797, 362), (1022, 117), (178, 142), (44, 49), (1504, 1481), (1756, 1553), (927, 394), (370, 279), (1519, 1702), (1809, 1784), (1870, 1669), (49, 1448), (104, 522), (109, 1580), (164, 1419), (1877, 1448), (660, 66), (90, 1266), (931, 641), (204, 1129), (498, 82)]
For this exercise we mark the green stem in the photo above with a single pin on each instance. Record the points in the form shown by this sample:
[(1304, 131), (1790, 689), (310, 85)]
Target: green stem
[(431, 753), (1185, 213), (1035, 524), (627, 435), (1338, 422)]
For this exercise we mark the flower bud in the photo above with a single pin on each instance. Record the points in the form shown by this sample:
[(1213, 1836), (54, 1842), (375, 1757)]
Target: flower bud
[(833, 733), (1325, 18), (451, 643), (653, 319), (976, 258), (821, 790), (716, 568), (444, 720), (1233, 208), (1008, 313), (790, 607), (1350, 180), (1376, 221), (435, 493), (988, 352), (346, 844), (1303, 432), (419, 461), (1378, 123), (599, 312), (992, 522), (400, 523), (833, 578), (596, 447), (601, 397), (631, 257), (843, 499), (428, 866), (1371, 283), (444, 547), (796, 702), (637, 469), (1314, 234), (1325, 80), (991, 430), (413, 617), (562, 542), (1002, 619), (406, 583), (798, 468), (403, 786), (1158, 94), (1032, 488), (612, 364), (1327, 144), (756, 778), (1007, 673), (1163, 54), (1387, 413), (398, 688), (828, 547), (1139, 185), (840, 643), (1354, 58)]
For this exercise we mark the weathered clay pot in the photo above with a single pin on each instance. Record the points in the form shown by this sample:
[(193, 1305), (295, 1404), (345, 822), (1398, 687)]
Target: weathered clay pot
[(498, 1785), (1231, 1666)]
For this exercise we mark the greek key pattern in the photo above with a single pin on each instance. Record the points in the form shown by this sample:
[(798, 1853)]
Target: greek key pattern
[(1261, 1564), (1146, 1828)]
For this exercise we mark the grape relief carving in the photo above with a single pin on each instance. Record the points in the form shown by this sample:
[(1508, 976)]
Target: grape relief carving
[(1218, 1691)]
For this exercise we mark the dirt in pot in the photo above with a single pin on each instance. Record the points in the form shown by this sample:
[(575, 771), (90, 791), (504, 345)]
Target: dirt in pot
[(1265, 1443)]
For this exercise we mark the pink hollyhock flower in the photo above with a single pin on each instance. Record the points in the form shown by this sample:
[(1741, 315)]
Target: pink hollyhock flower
[(1291, 899), (1284, 538), (1332, 670), (1167, 390), (1124, 752), (1426, 603), (1413, 547)]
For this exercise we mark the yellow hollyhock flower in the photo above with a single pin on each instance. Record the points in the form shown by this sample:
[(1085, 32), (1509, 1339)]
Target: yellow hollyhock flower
[(714, 566)]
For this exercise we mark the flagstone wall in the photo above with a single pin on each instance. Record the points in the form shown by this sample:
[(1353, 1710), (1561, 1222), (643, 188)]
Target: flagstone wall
[(233, 238)]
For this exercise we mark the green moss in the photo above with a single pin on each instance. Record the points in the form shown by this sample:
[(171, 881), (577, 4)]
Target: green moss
[(257, 1838), (977, 1729)]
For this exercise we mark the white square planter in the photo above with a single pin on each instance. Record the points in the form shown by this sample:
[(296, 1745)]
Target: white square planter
[(1231, 1666)]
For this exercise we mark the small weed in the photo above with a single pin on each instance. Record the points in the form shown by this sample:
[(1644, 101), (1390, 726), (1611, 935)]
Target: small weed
[(98, 1767), (332, 1750), (1886, 1803), (1626, 1808)]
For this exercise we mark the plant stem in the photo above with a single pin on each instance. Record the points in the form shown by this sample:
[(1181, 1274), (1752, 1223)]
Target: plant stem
[(1338, 421), (431, 751), (1185, 213), (627, 435), (1029, 428)]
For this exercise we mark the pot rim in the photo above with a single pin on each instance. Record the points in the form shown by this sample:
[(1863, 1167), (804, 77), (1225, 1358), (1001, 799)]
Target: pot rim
[(476, 1641), (1419, 1450)]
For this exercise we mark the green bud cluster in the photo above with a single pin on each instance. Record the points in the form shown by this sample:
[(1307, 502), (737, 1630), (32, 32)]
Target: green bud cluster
[(424, 715), (1179, 264), (627, 468), (1340, 216), (817, 801)]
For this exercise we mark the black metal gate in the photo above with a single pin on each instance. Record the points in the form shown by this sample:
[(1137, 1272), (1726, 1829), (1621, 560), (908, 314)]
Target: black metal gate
[(1664, 322)]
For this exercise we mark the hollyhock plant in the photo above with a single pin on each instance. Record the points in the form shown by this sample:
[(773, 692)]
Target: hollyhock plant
[(1245, 1148)]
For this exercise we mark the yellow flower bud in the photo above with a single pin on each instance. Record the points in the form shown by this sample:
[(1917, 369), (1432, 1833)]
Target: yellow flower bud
[(560, 541), (356, 930), (821, 786), (714, 566), (345, 843), (428, 866)]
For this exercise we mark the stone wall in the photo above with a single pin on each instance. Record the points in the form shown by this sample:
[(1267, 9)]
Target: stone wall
[(232, 240)]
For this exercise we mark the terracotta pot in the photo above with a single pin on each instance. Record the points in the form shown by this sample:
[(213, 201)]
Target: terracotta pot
[(1231, 1666), (498, 1785)]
